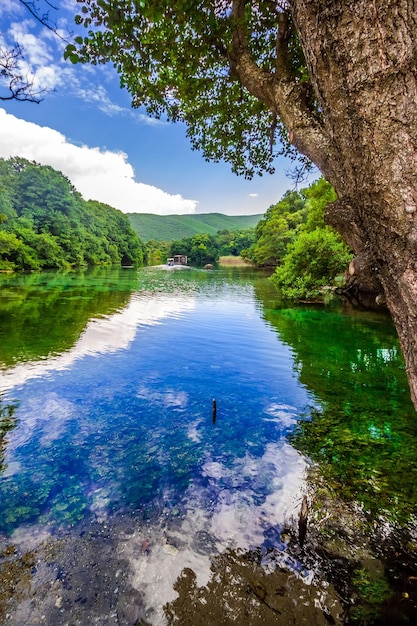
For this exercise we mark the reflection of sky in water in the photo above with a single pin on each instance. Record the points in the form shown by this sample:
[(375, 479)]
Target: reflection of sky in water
[(225, 513), (103, 335), (123, 422)]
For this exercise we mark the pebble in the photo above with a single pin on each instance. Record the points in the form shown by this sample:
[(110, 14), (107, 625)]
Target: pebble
[(172, 550)]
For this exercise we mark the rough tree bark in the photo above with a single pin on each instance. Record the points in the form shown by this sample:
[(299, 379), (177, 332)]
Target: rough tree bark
[(361, 56), (362, 59)]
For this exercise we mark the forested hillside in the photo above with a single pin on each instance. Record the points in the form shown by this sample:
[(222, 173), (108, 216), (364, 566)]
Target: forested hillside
[(45, 223), (170, 227)]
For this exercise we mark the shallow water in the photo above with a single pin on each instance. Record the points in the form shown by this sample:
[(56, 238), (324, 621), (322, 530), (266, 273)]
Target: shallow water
[(117, 480)]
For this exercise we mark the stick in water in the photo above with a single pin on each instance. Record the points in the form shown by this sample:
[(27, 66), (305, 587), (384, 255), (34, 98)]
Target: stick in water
[(302, 522)]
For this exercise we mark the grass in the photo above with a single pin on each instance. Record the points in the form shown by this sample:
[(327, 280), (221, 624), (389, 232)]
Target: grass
[(236, 261)]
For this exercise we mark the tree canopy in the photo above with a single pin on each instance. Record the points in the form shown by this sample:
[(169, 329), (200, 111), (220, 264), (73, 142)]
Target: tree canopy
[(45, 223), (184, 60), (277, 229)]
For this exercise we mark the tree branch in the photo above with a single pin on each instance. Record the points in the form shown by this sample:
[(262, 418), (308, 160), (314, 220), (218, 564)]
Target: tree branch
[(285, 96), (43, 18), (281, 48), (258, 81), (33, 9), (20, 89)]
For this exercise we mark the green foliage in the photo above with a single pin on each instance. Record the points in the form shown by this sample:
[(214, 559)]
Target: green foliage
[(157, 252), (45, 223), (373, 590), (14, 253), (308, 255), (277, 229), (235, 242), (293, 238), (203, 248), (170, 227), (317, 196), (181, 59), (312, 262)]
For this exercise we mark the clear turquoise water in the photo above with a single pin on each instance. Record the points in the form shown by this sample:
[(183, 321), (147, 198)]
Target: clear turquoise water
[(127, 410), (108, 378)]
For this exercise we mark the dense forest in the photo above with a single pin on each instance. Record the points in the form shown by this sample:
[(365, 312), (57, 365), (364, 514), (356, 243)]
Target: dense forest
[(168, 227), (45, 223), (292, 238), (203, 248)]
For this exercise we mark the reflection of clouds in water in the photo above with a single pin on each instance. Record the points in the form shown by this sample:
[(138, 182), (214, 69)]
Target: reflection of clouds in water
[(154, 573), (168, 398), (48, 414), (192, 430), (228, 506), (106, 335), (226, 512), (13, 467), (283, 414), (100, 498), (239, 516), (28, 538)]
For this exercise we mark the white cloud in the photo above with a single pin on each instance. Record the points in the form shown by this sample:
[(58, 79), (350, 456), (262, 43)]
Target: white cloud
[(97, 174), (43, 65), (35, 49), (38, 64), (8, 6), (253, 195)]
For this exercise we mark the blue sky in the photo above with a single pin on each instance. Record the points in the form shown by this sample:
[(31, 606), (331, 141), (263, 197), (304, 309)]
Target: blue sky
[(86, 128)]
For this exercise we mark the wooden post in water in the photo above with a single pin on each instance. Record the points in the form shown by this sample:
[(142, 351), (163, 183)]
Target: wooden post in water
[(302, 522), (214, 413)]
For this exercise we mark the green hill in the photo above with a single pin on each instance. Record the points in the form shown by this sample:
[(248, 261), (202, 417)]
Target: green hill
[(170, 227), (45, 223)]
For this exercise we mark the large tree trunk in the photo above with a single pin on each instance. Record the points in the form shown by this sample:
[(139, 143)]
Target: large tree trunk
[(362, 60)]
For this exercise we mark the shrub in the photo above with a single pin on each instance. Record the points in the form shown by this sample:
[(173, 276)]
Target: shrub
[(312, 262)]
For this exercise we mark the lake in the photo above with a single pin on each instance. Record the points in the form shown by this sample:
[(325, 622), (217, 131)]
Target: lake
[(161, 432)]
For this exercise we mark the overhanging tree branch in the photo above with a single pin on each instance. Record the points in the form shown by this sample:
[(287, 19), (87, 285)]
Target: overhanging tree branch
[(19, 87), (42, 18), (284, 94), (259, 82)]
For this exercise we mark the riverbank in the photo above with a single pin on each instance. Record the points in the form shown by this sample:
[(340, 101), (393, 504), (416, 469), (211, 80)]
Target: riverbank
[(235, 261)]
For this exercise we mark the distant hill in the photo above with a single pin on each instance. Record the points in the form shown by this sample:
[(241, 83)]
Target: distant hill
[(169, 227)]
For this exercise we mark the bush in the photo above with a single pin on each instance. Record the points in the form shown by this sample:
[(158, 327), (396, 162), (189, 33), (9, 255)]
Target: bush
[(312, 262)]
